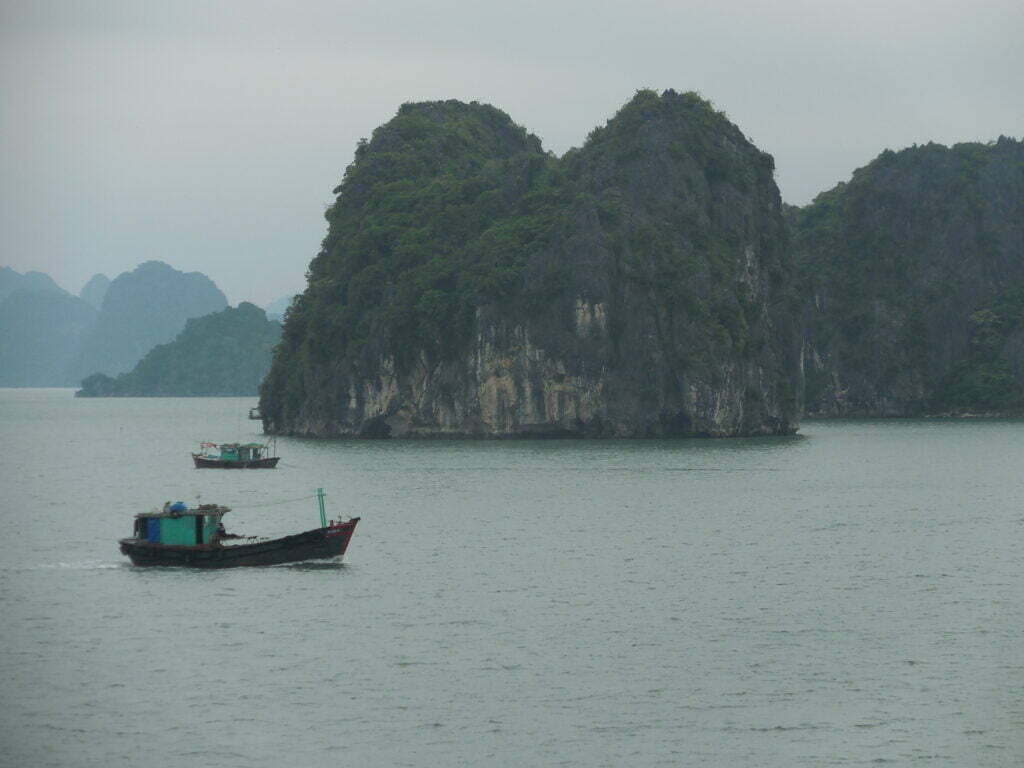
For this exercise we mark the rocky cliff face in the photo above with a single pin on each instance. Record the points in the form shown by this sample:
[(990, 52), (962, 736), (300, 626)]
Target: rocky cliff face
[(913, 274), (471, 284)]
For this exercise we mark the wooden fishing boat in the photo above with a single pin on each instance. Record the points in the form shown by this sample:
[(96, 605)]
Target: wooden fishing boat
[(235, 456), (195, 538)]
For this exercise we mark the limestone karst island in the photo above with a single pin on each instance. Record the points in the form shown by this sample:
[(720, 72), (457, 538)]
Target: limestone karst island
[(472, 284), (649, 283)]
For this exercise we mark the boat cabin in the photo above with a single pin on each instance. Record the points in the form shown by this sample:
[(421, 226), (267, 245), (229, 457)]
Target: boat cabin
[(250, 451), (240, 451), (177, 525)]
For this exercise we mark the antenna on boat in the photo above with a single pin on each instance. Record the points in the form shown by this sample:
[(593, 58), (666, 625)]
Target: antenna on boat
[(320, 500)]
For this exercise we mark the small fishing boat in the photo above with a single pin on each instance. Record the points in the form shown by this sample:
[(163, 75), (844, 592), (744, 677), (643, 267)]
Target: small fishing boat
[(235, 456), (195, 538)]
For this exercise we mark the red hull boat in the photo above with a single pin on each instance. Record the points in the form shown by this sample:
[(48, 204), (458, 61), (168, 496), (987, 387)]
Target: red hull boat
[(195, 538)]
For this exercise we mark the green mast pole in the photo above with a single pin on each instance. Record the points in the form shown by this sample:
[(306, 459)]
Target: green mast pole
[(320, 500)]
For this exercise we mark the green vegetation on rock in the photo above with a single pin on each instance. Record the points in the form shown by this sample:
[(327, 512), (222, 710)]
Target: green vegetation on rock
[(988, 378), (432, 222), (471, 283), (143, 308), (225, 353), (905, 271)]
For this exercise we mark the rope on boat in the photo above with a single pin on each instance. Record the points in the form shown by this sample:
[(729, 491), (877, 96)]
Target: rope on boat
[(282, 501)]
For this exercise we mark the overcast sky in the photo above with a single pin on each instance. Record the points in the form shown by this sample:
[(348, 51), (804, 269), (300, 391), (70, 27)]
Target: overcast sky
[(210, 135)]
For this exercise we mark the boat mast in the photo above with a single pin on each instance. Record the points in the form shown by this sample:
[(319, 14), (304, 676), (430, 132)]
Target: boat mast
[(320, 500)]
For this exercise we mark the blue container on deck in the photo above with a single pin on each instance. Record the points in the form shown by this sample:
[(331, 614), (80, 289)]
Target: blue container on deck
[(179, 506)]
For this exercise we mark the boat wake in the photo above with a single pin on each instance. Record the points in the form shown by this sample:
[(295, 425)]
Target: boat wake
[(332, 564), (79, 566)]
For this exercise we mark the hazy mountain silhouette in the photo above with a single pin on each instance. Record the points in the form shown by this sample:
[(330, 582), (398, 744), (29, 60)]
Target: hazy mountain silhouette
[(277, 308), (11, 281), (41, 332), (143, 308), (225, 353), (95, 290)]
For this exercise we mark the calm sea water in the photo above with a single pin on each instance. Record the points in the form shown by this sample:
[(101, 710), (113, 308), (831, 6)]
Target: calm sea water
[(850, 596)]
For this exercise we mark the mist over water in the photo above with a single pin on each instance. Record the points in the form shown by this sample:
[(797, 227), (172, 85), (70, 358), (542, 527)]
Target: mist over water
[(849, 596)]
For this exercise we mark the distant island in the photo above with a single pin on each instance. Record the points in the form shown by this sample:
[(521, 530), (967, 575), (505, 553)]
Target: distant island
[(221, 354), (143, 308), (648, 283), (50, 338), (42, 329), (12, 282)]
